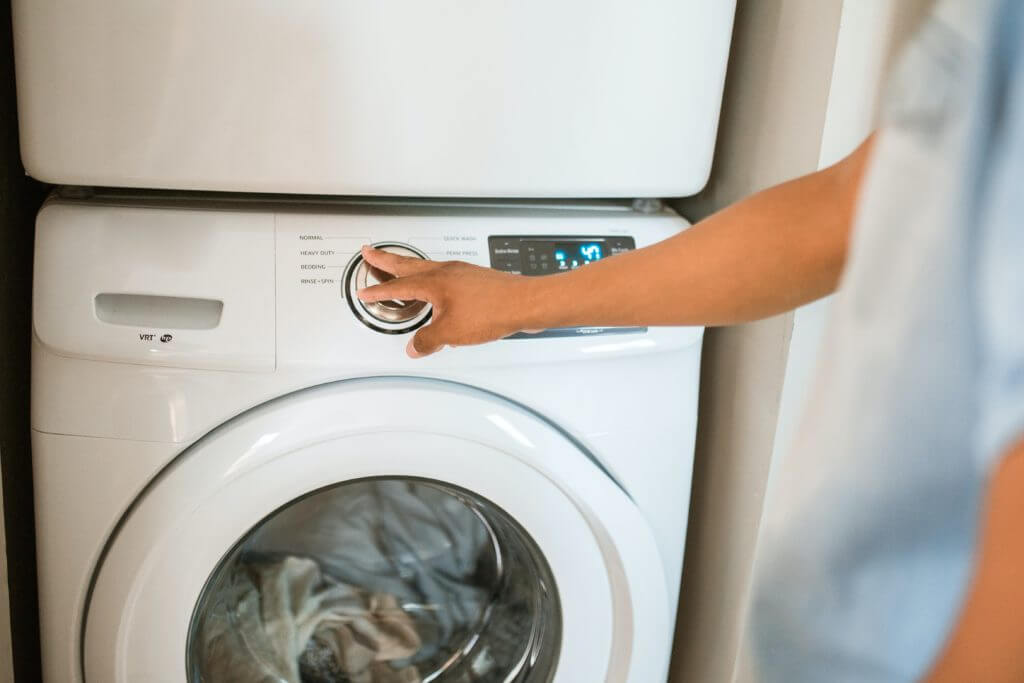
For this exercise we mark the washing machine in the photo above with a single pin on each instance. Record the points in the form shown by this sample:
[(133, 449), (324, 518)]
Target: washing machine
[(240, 476)]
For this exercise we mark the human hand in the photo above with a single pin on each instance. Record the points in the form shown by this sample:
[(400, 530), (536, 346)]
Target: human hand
[(471, 304)]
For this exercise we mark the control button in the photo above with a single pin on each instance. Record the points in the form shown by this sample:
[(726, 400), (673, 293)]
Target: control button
[(392, 316)]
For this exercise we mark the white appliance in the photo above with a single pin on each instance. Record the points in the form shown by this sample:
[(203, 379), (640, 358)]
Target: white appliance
[(236, 467), (491, 98), (209, 406)]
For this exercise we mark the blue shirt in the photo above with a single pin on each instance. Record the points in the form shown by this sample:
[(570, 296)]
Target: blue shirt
[(868, 537)]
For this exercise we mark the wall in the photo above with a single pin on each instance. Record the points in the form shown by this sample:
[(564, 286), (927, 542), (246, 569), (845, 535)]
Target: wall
[(19, 200), (870, 35), (772, 118)]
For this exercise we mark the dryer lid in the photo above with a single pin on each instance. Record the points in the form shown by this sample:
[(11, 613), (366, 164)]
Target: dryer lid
[(442, 518)]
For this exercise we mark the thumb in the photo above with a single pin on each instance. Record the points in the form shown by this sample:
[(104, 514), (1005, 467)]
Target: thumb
[(426, 341)]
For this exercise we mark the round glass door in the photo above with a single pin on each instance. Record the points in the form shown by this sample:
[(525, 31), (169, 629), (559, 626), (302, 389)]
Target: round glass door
[(383, 580)]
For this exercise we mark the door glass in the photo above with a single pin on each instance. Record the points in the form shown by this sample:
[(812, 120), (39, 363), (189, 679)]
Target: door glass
[(380, 581)]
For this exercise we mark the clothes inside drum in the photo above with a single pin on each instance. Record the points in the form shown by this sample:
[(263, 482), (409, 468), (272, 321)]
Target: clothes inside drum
[(380, 581)]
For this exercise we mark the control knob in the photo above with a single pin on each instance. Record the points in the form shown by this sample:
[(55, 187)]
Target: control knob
[(392, 316)]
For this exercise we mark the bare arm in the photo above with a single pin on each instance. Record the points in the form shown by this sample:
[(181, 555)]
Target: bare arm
[(988, 641), (769, 253)]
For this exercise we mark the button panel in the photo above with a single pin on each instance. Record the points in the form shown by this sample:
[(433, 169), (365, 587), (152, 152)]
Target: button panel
[(544, 255), (535, 255)]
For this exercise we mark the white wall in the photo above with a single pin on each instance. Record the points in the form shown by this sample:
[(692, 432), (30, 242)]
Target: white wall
[(870, 32), (772, 117)]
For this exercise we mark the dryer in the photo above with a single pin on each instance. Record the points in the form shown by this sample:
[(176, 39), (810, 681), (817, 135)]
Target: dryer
[(533, 98), (237, 469)]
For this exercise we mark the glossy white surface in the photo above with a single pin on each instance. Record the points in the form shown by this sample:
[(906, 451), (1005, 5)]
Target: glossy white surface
[(601, 552), (576, 98), (82, 487), (313, 248), (103, 429), (221, 256)]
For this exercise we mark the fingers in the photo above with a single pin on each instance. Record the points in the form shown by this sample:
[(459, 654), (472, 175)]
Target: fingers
[(426, 341), (399, 266), (406, 286), (405, 289)]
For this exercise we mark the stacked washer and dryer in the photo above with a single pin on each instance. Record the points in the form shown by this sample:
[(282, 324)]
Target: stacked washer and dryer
[(239, 475)]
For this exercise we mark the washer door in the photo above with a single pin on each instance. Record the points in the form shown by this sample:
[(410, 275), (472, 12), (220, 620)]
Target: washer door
[(380, 531)]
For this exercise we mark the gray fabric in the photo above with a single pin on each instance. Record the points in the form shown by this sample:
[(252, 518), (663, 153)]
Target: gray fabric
[(359, 584), (411, 541), (286, 622)]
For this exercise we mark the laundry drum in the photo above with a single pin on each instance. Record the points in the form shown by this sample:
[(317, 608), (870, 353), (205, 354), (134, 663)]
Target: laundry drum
[(380, 580)]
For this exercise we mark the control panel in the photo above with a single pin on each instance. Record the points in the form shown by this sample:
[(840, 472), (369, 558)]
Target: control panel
[(542, 255), (546, 255), (264, 286), (319, 269), (524, 254)]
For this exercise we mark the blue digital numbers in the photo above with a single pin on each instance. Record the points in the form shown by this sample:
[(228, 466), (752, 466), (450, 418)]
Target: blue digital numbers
[(573, 255), (590, 252), (544, 256)]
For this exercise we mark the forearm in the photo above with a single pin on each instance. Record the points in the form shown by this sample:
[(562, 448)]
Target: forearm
[(988, 641), (778, 249), (772, 252)]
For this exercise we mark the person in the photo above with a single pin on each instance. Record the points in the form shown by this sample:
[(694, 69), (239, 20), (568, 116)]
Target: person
[(892, 547)]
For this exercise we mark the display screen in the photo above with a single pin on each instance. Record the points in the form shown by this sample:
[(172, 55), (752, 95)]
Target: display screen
[(531, 255), (540, 257), (549, 254), (571, 256)]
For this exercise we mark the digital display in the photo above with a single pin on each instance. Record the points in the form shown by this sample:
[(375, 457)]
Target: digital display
[(546, 257), (572, 256), (530, 255), (549, 254)]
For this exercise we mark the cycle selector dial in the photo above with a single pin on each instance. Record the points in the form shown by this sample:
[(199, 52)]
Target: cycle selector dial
[(392, 316)]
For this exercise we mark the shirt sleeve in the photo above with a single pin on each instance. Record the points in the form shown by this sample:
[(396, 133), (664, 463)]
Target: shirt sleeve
[(997, 217)]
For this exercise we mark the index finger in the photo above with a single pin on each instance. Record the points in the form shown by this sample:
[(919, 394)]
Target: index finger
[(399, 266), (403, 289)]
